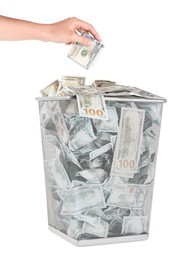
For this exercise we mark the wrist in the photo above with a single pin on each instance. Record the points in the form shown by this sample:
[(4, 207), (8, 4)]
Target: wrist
[(44, 32)]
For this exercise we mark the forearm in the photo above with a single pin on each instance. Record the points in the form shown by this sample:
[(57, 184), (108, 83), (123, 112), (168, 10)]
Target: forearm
[(15, 29), (65, 31)]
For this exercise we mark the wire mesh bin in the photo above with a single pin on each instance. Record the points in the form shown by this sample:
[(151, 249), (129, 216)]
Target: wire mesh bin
[(100, 173)]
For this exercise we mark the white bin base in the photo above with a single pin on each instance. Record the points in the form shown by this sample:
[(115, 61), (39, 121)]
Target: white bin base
[(99, 241)]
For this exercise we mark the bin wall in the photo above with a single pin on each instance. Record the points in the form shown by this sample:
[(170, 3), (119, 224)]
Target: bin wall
[(100, 173)]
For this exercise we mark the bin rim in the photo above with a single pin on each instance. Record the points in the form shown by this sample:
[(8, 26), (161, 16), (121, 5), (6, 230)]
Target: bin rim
[(155, 99)]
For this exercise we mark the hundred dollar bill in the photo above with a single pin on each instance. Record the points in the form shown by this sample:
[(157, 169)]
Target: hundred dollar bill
[(92, 106), (58, 120), (101, 230), (78, 199), (111, 86), (128, 144), (61, 88), (128, 196), (74, 228), (72, 81), (69, 81), (105, 148), (53, 121), (65, 91), (122, 90), (81, 134), (85, 55), (51, 89), (93, 174), (112, 182), (86, 90), (59, 173), (89, 218), (50, 146), (110, 125), (134, 225), (103, 83)]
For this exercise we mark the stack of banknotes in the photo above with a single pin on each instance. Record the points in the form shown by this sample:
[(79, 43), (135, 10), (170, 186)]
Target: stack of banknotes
[(83, 55), (99, 157), (90, 98)]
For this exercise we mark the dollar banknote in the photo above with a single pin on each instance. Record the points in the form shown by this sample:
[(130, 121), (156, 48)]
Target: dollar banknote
[(87, 90), (110, 125), (69, 81), (74, 228), (59, 173), (82, 134), (119, 91), (51, 89), (91, 102), (128, 195), (105, 148), (128, 91), (134, 225), (103, 83), (85, 55), (78, 199), (127, 150), (97, 175), (92, 106), (61, 87), (72, 81), (92, 219), (100, 230)]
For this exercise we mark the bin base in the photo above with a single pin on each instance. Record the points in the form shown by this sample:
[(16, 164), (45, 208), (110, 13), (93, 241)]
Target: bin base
[(99, 241)]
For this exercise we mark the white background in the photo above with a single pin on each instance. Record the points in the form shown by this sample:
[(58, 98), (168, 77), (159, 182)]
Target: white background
[(145, 46)]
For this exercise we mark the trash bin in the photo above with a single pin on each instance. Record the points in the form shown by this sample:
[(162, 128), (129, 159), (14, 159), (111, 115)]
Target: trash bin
[(100, 173)]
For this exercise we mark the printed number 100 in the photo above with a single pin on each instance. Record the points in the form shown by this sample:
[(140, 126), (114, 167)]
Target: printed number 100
[(124, 163), (93, 112)]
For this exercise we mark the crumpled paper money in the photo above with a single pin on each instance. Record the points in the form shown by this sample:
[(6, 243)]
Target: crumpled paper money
[(88, 195)]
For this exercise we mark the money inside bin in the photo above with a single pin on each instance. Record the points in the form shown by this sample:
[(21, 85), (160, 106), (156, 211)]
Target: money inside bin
[(100, 173)]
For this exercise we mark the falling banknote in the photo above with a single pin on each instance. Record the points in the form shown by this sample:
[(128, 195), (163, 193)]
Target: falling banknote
[(85, 55)]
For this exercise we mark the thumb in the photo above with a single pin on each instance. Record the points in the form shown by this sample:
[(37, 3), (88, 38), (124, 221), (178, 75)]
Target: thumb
[(83, 40)]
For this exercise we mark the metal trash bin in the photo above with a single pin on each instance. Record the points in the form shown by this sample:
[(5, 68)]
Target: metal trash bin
[(100, 173)]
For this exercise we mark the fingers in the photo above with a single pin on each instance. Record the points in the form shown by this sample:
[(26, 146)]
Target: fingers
[(82, 40), (93, 32), (84, 26)]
